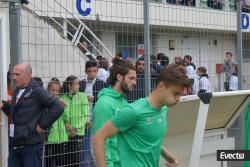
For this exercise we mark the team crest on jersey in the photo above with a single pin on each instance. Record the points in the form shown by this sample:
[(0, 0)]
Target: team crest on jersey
[(149, 120), (159, 120)]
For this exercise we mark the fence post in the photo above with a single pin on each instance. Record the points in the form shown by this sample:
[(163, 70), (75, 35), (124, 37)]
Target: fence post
[(15, 31), (240, 66), (146, 47)]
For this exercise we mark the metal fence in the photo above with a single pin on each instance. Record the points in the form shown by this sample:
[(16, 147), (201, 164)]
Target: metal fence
[(53, 31)]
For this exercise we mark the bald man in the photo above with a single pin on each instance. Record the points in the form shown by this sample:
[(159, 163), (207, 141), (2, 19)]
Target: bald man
[(28, 119)]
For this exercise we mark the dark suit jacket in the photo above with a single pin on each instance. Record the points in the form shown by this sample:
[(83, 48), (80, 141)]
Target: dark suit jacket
[(98, 85)]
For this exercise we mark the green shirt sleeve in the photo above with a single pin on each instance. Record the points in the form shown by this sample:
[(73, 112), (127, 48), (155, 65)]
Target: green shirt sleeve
[(124, 118)]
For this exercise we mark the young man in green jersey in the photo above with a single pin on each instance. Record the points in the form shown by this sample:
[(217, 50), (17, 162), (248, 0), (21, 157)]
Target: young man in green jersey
[(122, 79), (141, 126)]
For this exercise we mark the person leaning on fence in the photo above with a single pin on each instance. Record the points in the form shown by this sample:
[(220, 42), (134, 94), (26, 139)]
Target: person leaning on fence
[(28, 119), (141, 126), (76, 110), (122, 79), (55, 148)]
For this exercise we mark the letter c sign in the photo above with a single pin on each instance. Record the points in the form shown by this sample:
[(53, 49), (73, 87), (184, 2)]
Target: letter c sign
[(82, 12)]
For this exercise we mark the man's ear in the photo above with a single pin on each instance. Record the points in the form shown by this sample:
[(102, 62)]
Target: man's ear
[(161, 85), (119, 77)]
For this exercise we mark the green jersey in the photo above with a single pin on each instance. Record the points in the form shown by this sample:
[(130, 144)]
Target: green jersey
[(141, 132), (76, 110), (247, 132), (105, 107)]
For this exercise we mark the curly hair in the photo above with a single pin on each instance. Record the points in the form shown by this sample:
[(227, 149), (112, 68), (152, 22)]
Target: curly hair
[(120, 66)]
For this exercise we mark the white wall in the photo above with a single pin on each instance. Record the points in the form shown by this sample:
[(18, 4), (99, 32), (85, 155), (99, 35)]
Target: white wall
[(109, 40), (132, 12), (49, 54)]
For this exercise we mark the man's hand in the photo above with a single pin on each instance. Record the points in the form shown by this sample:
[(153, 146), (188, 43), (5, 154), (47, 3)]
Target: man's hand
[(39, 130), (72, 132), (1, 106), (90, 99), (89, 125), (172, 161), (170, 157)]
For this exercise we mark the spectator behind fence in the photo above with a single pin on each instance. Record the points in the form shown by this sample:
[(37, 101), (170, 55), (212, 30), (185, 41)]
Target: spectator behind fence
[(141, 126), (204, 83), (28, 119), (216, 4), (139, 89), (177, 60), (163, 59), (103, 70), (190, 71), (122, 79), (38, 80), (227, 69), (233, 82), (77, 110), (56, 145), (182, 2), (84, 48), (246, 6), (154, 64), (91, 86)]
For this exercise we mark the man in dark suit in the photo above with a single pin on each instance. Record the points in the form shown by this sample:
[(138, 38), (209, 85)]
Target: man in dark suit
[(91, 86)]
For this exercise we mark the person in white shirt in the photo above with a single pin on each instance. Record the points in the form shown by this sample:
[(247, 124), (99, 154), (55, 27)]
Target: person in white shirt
[(233, 82), (190, 72), (103, 70), (204, 83)]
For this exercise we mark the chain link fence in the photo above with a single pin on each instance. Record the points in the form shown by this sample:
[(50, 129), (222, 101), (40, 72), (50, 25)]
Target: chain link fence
[(58, 37)]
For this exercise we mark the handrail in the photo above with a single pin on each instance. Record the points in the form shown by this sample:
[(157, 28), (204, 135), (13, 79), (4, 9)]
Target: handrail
[(84, 27)]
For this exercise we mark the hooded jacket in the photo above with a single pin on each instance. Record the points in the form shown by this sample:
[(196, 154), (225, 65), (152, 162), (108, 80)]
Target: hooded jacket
[(107, 104), (76, 111)]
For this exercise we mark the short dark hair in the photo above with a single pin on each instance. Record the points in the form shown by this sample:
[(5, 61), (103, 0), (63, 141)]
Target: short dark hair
[(229, 53), (173, 75), (38, 80), (119, 55), (91, 63), (104, 63), (188, 57), (120, 66), (202, 69)]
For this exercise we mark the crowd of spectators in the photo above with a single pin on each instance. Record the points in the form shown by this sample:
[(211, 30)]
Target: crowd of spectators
[(67, 139)]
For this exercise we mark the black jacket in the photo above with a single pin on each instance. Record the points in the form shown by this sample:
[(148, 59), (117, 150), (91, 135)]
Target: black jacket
[(30, 111), (98, 85), (139, 90)]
